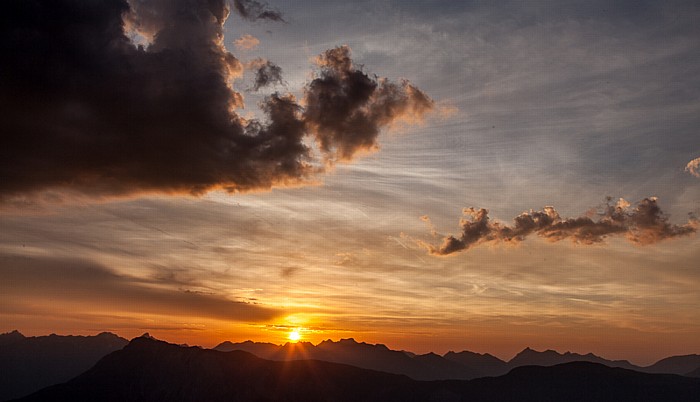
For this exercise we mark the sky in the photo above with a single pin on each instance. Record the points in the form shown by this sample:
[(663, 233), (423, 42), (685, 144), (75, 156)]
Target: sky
[(430, 175)]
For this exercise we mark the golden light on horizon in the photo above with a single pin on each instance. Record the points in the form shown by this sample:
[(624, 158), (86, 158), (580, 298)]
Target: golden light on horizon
[(294, 336)]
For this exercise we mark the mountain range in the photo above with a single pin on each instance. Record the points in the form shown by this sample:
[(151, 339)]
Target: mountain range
[(463, 365), (31, 363), (151, 370), (28, 364)]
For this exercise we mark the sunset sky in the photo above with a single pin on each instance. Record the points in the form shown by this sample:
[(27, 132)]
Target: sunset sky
[(301, 165)]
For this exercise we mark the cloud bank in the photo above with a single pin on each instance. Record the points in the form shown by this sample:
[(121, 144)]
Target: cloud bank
[(642, 224), (89, 110), (61, 283)]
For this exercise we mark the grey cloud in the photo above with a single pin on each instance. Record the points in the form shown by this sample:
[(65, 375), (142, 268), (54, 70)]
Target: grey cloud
[(346, 108), (255, 10), (65, 281), (267, 73), (643, 224)]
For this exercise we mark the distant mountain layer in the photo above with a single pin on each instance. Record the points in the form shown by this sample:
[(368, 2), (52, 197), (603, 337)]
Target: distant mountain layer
[(28, 364), (151, 370), (460, 366), (529, 357), (675, 365), (363, 355)]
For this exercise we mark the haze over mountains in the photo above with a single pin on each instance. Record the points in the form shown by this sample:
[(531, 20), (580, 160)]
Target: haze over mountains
[(28, 364), (151, 370)]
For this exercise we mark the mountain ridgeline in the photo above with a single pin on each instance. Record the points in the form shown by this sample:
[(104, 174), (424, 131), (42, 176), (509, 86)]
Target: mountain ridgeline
[(453, 365), (151, 370), (28, 364)]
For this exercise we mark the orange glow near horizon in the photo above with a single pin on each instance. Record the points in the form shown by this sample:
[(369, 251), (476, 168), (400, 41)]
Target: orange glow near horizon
[(294, 336)]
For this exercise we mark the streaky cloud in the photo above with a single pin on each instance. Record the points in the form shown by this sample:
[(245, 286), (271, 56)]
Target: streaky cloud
[(61, 282), (643, 224)]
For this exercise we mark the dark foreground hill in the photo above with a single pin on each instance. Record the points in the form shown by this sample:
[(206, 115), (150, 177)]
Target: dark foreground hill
[(151, 370), (28, 364)]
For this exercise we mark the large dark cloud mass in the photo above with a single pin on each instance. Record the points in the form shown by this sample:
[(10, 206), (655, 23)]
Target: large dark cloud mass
[(642, 224), (86, 109)]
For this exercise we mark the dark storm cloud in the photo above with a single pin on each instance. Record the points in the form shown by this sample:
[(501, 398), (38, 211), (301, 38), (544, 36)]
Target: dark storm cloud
[(266, 73), (255, 10), (88, 110), (643, 224), (346, 108), (64, 281)]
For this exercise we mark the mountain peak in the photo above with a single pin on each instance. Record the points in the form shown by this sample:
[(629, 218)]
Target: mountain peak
[(11, 337), (14, 334)]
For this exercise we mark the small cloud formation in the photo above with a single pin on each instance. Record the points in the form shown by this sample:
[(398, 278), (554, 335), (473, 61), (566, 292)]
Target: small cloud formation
[(246, 42), (346, 108), (642, 224), (693, 167), (118, 118), (253, 10), (267, 73)]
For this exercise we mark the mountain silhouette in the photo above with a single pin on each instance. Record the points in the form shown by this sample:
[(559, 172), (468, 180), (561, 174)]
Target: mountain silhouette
[(529, 357), (11, 337), (151, 370), (28, 364), (363, 355), (675, 365), (463, 365), (694, 373), (486, 364)]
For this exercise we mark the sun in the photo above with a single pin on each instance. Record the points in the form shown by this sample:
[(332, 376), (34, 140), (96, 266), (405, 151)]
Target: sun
[(294, 336)]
